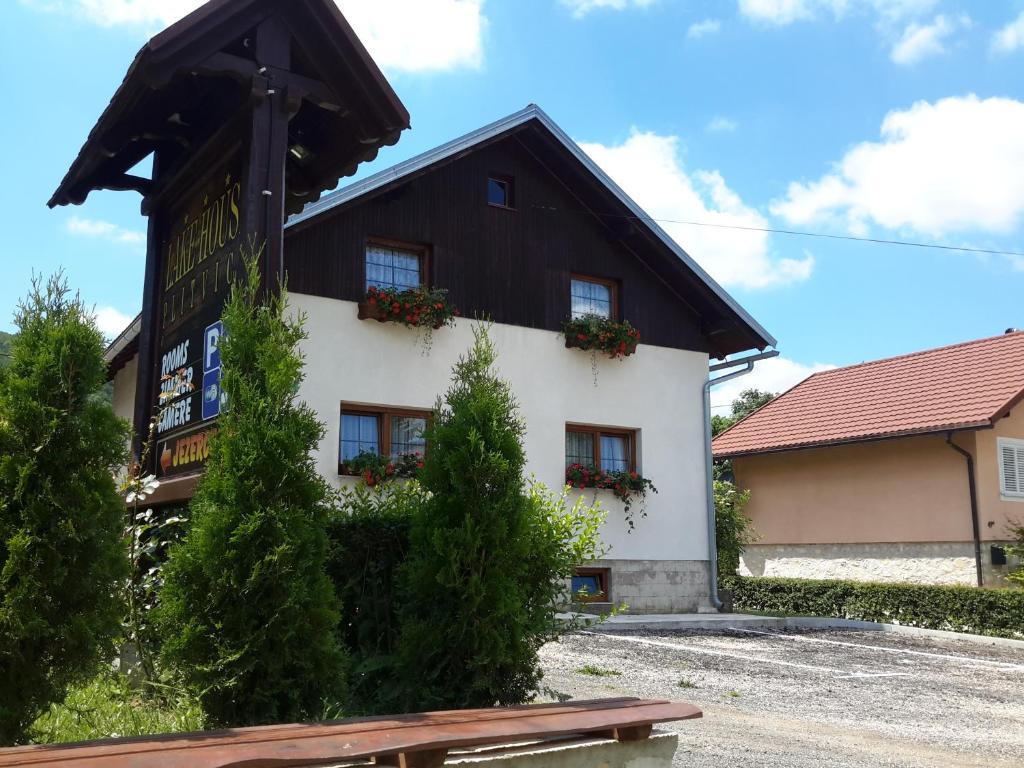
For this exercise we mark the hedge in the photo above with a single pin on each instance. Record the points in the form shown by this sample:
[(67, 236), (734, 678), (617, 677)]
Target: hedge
[(982, 611)]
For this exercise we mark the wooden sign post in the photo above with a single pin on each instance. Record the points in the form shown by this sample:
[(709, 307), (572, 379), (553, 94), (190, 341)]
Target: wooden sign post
[(249, 109)]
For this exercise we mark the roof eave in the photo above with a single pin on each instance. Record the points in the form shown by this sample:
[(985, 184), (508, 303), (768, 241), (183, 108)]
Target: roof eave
[(934, 430)]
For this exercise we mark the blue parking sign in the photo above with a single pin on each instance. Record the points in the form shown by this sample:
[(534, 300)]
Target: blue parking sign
[(211, 347), (211, 393)]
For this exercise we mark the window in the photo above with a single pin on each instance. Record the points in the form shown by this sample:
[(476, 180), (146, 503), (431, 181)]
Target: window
[(1011, 467), (386, 431), (612, 450), (592, 296), (394, 265), (499, 191), (591, 585)]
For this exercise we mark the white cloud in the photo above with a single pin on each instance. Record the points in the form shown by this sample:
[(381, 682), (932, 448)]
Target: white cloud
[(720, 124), (775, 375), (105, 230), (1011, 37), (420, 36), (919, 41), (703, 28), (581, 8), (943, 167), (648, 168), (111, 321), (783, 12)]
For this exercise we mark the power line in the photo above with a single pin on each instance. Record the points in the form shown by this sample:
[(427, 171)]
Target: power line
[(770, 230)]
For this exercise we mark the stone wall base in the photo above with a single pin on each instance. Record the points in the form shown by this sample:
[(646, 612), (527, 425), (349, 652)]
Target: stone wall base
[(659, 586), (916, 563)]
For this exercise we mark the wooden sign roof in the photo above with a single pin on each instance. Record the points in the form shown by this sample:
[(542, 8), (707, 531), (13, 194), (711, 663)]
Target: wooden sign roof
[(187, 80)]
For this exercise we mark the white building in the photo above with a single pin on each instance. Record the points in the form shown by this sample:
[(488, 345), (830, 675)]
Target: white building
[(521, 227)]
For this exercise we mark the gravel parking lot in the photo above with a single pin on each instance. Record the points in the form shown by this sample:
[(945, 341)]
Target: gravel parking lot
[(802, 699)]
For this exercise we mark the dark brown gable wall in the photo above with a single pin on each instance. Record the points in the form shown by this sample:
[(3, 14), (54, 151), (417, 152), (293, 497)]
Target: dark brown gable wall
[(510, 265)]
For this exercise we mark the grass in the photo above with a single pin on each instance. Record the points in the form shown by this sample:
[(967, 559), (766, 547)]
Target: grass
[(733, 694), (590, 669), (684, 683), (108, 706)]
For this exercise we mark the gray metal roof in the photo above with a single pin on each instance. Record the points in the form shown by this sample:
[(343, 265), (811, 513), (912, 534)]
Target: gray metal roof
[(492, 130), (126, 337)]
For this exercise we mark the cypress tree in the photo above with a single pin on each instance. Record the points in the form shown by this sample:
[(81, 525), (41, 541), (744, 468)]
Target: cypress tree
[(61, 550), (248, 613), (479, 602)]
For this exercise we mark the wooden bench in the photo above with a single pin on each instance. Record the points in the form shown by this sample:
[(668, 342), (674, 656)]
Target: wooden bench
[(407, 741)]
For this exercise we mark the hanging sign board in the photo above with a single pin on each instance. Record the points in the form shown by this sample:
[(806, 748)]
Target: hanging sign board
[(199, 258)]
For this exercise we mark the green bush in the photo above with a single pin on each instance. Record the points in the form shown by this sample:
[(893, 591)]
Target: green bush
[(733, 529), (369, 542), (111, 705), (61, 555), (1016, 549), (489, 558), (983, 611), (248, 613)]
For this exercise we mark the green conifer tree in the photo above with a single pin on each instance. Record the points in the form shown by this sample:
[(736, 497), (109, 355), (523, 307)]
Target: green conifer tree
[(61, 553), (248, 613), (489, 556)]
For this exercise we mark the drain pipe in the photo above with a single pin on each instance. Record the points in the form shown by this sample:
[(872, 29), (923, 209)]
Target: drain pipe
[(748, 366), (975, 525)]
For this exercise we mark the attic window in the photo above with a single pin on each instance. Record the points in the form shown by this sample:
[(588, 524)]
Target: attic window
[(1011, 468), (499, 191)]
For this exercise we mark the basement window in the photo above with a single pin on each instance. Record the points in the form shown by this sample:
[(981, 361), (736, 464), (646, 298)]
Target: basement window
[(591, 585)]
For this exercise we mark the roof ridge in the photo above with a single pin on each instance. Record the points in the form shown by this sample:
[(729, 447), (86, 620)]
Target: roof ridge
[(918, 353)]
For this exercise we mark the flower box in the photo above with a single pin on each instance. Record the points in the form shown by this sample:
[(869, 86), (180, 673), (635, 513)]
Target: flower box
[(626, 486), (413, 307), (601, 335)]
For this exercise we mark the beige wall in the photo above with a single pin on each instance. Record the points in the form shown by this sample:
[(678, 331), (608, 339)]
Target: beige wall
[(904, 490), (993, 511), (907, 490)]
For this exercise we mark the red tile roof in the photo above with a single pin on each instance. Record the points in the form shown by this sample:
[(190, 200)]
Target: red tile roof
[(956, 387)]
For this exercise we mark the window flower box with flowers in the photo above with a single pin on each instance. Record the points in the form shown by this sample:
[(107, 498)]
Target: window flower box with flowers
[(600, 335), (426, 309), (375, 469), (627, 486)]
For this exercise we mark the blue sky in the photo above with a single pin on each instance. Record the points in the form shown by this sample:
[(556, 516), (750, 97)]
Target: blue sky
[(892, 119)]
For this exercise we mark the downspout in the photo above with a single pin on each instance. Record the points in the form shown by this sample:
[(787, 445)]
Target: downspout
[(975, 525), (748, 366)]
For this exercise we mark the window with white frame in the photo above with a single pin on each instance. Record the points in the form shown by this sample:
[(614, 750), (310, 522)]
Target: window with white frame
[(1011, 467)]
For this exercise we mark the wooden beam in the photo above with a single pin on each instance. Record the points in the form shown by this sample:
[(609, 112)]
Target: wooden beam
[(242, 69), (126, 182)]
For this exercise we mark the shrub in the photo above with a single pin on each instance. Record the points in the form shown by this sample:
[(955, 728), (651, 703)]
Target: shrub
[(369, 542), (489, 558), (1016, 549), (733, 529), (111, 705), (983, 611), (248, 614), (61, 554)]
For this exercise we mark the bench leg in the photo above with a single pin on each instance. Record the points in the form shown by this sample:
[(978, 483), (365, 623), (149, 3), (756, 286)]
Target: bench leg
[(426, 758)]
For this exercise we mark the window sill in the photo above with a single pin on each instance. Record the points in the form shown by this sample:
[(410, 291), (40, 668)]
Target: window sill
[(1004, 497), (501, 207)]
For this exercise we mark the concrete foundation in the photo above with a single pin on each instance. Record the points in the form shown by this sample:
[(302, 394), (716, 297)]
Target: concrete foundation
[(915, 563), (659, 586)]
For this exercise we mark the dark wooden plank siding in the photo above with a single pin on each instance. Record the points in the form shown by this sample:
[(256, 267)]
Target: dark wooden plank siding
[(512, 266)]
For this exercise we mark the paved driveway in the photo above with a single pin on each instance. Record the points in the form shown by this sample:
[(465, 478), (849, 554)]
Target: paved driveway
[(805, 699)]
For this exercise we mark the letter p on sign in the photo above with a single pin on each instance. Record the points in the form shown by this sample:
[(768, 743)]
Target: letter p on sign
[(211, 346)]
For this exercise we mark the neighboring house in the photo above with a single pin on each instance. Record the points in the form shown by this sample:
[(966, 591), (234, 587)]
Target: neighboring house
[(522, 228), (904, 469)]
